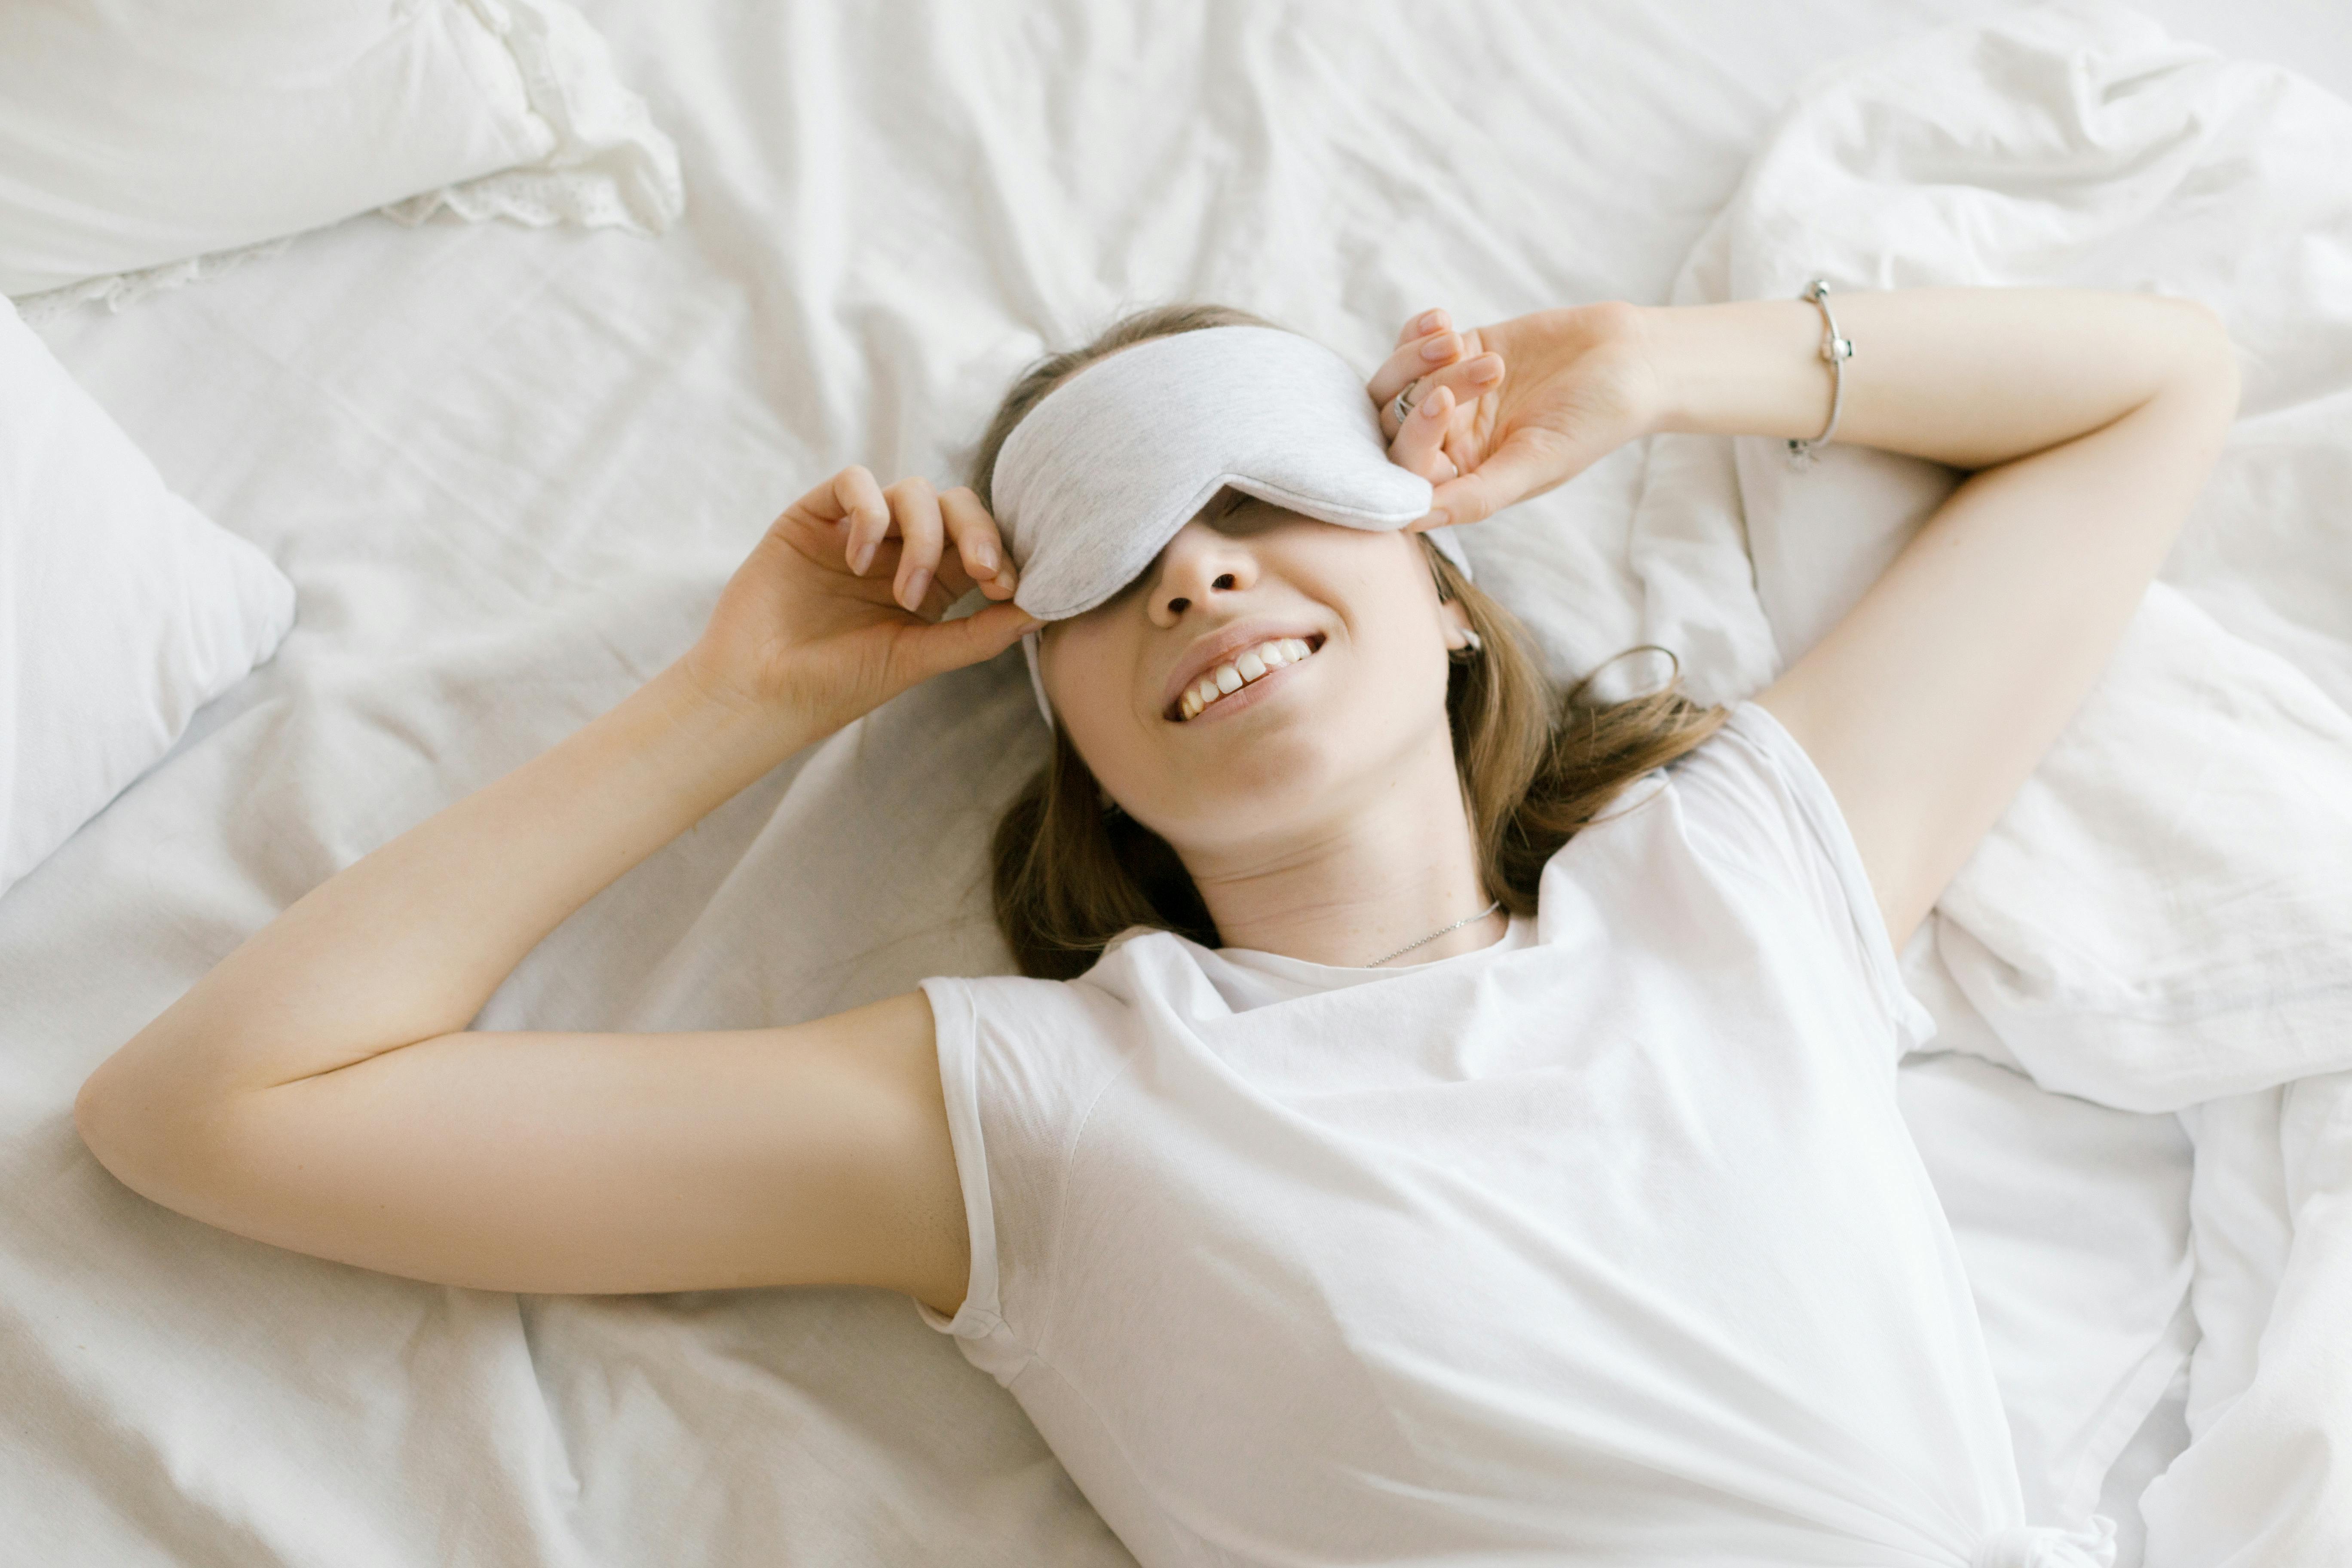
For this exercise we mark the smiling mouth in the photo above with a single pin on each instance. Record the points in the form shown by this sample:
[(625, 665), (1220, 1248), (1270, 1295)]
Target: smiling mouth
[(1252, 666)]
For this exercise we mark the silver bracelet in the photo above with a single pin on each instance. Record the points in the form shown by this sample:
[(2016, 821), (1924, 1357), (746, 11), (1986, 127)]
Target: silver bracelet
[(1837, 351)]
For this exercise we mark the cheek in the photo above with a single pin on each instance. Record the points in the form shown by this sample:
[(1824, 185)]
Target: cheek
[(1400, 691), (1398, 649), (1086, 671)]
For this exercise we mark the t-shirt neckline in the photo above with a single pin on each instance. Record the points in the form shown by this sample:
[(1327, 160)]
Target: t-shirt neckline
[(1521, 933)]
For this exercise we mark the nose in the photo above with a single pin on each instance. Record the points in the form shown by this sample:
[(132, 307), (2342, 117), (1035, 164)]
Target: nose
[(1198, 563)]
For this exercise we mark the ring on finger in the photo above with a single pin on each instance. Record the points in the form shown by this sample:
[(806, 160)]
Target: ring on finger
[(1402, 406)]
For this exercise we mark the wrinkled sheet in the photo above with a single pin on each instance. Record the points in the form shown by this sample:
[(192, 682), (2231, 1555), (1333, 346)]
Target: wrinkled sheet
[(508, 471), (2161, 917)]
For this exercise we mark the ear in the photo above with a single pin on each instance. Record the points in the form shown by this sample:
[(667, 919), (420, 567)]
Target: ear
[(1458, 634)]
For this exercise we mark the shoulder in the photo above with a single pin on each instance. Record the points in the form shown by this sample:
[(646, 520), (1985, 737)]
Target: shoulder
[(1017, 1039), (1011, 1031), (1750, 790), (1129, 965), (1742, 838), (966, 1007), (1747, 798)]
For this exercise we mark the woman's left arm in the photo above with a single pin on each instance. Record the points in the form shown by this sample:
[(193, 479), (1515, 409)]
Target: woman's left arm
[(2090, 421)]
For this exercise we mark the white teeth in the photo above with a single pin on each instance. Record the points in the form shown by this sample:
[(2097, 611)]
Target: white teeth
[(1231, 678)]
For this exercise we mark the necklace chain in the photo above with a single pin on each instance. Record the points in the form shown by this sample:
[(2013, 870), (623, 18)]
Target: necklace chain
[(1433, 936)]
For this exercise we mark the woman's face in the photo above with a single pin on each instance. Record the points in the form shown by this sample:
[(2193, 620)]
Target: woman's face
[(1301, 744)]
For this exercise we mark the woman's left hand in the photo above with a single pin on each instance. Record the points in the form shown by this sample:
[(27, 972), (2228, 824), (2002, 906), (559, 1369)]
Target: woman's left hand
[(1447, 379), (1501, 412)]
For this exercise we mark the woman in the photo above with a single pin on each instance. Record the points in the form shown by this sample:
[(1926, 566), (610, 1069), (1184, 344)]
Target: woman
[(1442, 1183)]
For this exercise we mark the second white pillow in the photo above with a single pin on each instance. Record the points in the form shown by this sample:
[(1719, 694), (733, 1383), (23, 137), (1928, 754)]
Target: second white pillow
[(123, 609)]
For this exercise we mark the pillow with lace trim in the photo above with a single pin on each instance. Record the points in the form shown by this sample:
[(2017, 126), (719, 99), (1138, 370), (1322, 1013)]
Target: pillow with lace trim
[(145, 143)]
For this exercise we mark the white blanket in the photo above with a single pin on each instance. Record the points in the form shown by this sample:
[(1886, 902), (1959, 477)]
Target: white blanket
[(508, 472), (2162, 917)]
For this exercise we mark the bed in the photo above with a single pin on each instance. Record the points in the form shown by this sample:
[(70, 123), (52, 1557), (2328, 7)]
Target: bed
[(507, 470)]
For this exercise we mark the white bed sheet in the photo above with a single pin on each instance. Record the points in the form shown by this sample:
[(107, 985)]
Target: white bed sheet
[(508, 470)]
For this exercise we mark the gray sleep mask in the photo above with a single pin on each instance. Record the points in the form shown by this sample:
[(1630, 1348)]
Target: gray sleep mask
[(1110, 465)]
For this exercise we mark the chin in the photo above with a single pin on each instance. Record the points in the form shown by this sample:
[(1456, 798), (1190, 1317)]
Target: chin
[(1284, 768)]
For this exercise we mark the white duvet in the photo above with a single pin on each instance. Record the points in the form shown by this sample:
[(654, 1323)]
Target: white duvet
[(2162, 918), (508, 471)]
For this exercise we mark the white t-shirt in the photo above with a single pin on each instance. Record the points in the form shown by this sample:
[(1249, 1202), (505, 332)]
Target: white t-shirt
[(1605, 1243)]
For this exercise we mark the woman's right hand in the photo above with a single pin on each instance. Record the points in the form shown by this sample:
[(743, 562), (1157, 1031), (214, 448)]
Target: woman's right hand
[(1509, 411), (836, 610)]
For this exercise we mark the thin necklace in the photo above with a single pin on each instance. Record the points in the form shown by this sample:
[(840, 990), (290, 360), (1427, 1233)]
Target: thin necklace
[(1433, 936)]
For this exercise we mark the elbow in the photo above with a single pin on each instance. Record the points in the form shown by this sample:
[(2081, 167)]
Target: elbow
[(98, 1117), (2205, 361), (143, 1141), (91, 1115)]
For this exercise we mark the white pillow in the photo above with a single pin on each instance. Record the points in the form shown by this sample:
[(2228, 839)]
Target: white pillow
[(143, 141), (122, 608)]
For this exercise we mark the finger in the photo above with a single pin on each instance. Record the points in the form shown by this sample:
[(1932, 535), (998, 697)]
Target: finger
[(860, 507), (1410, 363), (1421, 442), (915, 514), (1421, 326), (923, 651), (828, 509), (980, 556), (1530, 463), (1467, 379), (839, 495)]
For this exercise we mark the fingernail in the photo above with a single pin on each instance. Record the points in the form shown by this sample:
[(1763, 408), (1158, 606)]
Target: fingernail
[(917, 581), (1440, 348), (863, 558), (1488, 370), (1438, 518), (984, 555), (1436, 405), (1430, 321)]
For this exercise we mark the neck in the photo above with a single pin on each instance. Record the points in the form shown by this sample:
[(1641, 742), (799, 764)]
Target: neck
[(1363, 882)]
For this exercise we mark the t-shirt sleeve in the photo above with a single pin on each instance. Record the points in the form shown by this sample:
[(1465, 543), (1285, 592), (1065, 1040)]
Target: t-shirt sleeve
[(1753, 799), (1021, 1063)]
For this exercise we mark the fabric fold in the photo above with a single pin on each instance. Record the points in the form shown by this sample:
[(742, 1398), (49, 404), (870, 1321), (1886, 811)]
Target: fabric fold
[(2159, 919), (2043, 1547)]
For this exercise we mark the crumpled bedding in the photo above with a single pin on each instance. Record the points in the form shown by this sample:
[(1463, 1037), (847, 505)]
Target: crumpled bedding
[(2160, 920), (508, 471)]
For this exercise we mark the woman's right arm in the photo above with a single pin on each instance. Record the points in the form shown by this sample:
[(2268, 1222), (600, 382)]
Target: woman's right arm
[(319, 1091)]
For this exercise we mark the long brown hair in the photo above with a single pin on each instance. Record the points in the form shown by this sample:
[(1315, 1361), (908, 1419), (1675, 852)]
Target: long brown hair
[(1536, 765)]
